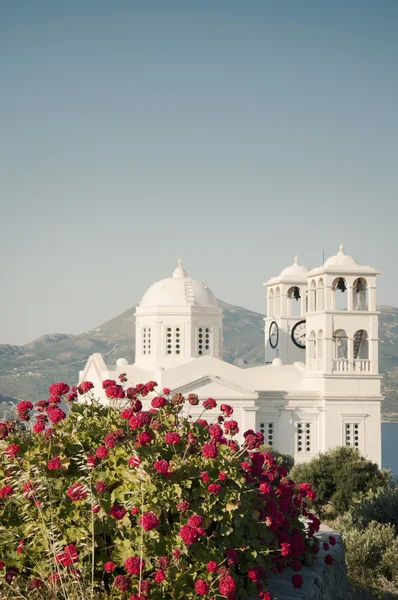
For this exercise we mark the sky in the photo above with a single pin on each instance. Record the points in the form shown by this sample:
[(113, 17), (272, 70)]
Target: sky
[(232, 133)]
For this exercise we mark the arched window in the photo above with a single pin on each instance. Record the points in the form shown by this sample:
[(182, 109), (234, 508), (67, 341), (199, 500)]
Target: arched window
[(294, 302), (319, 345), (339, 294), (313, 296), (277, 302), (312, 345), (271, 308), (360, 294), (321, 295), (340, 342), (361, 345)]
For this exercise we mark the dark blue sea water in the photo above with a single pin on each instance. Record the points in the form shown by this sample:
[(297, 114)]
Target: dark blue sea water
[(389, 446)]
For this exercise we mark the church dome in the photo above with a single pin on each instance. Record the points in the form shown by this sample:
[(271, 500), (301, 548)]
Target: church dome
[(179, 290), (294, 269), (341, 260)]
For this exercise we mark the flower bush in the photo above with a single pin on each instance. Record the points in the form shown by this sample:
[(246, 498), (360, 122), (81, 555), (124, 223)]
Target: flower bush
[(138, 502)]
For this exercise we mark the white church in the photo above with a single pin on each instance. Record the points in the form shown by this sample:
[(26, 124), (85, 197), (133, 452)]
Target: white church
[(319, 386)]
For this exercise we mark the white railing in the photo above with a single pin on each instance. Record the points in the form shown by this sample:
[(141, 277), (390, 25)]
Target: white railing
[(343, 365)]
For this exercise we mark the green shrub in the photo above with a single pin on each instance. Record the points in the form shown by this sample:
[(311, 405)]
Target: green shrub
[(380, 505), (283, 460), (338, 476)]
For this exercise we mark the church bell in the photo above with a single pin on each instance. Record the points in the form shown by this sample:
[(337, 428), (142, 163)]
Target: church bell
[(341, 285)]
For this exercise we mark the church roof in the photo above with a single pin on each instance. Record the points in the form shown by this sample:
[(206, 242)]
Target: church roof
[(341, 260), (179, 290), (294, 269)]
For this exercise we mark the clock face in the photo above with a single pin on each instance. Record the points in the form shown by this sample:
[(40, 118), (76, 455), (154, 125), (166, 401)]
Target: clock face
[(273, 334), (298, 334)]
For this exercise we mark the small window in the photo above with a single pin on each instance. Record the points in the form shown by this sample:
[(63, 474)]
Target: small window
[(173, 340), (204, 340), (146, 340), (352, 434), (303, 438), (268, 431)]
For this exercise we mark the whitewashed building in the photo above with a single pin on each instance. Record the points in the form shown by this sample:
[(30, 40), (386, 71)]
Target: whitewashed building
[(319, 386)]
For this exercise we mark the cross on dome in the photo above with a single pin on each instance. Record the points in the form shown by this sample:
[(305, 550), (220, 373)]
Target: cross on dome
[(296, 260), (180, 271), (341, 248)]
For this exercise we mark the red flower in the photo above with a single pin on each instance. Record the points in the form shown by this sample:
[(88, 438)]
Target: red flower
[(68, 556), (195, 521), (159, 402), (178, 399), (6, 491), (54, 463), (127, 413), (23, 409), (38, 427), (12, 450), (76, 492), (209, 450), (231, 427), (134, 565), (159, 576), (134, 461), (193, 399), (286, 549), (183, 506), (117, 512), (329, 559), (176, 553), (256, 573), (215, 431), (227, 585), (226, 409), (222, 476), (113, 437), (35, 584), (189, 535), (166, 391), (205, 477), (96, 508), (201, 587), (297, 581), (232, 556), (72, 396), (21, 544), (214, 488), (149, 521), (212, 566), (143, 439), (2, 565), (109, 566), (55, 414), (164, 562), (161, 466), (209, 403), (101, 487), (172, 438), (265, 488), (135, 510), (101, 452), (114, 391), (122, 582), (84, 387), (59, 389)]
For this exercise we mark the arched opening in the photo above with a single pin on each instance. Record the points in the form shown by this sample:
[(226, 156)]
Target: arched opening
[(321, 295), (319, 345), (277, 302), (340, 350), (313, 296), (360, 294), (340, 294), (311, 346), (271, 308), (294, 301)]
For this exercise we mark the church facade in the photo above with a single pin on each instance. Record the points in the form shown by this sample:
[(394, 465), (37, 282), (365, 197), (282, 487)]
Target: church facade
[(319, 386)]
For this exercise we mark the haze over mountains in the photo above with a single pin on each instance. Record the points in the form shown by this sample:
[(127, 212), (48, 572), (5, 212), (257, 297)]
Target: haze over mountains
[(27, 371)]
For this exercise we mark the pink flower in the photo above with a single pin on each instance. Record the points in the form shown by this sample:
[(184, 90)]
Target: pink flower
[(159, 576), (166, 391), (214, 488), (54, 463), (222, 476), (183, 506), (297, 581), (117, 512), (189, 535), (55, 414), (195, 520), (161, 466), (209, 403), (12, 450), (209, 450), (205, 477), (172, 438), (59, 389), (159, 402), (76, 492), (201, 587), (109, 566), (134, 565), (149, 521), (212, 566), (101, 452), (227, 585)]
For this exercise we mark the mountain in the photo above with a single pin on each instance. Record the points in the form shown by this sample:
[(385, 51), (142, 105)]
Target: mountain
[(27, 371)]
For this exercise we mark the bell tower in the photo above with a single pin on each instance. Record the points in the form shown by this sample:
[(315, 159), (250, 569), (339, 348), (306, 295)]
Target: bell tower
[(285, 321), (342, 320)]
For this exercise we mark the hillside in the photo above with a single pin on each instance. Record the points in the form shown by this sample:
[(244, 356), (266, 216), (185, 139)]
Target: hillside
[(27, 371)]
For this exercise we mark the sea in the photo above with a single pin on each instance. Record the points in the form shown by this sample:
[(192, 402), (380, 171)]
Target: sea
[(389, 447)]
